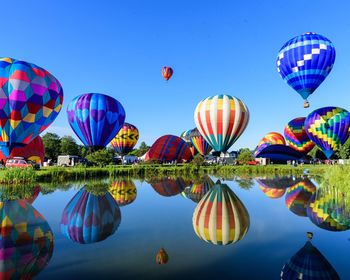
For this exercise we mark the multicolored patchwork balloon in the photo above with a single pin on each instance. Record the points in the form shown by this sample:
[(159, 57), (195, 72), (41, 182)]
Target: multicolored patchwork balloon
[(26, 241), (220, 217), (167, 72), (296, 136), (90, 218), (305, 61), (199, 142), (123, 191), (328, 128), (169, 148), (221, 119), (198, 189), (308, 263), (30, 100), (126, 139), (298, 196), (271, 138), (95, 118)]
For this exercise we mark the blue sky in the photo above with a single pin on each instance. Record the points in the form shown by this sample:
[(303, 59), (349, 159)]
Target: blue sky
[(119, 47)]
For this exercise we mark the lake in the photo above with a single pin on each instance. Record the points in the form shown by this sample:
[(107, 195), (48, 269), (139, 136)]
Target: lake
[(84, 234)]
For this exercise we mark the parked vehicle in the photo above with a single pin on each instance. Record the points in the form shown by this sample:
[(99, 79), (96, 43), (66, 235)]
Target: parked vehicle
[(20, 162)]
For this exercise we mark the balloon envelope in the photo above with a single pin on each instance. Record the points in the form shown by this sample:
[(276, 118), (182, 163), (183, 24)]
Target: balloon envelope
[(297, 137), (31, 99), (271, 138), (89, 218), (167, 72), (309, 264), (169, 148), (123, 191), (328, 128), (221, 119), (199, 142), (305, 61), (95, 118), (220, 217), (279, 153), (126, 139), (26, 242)]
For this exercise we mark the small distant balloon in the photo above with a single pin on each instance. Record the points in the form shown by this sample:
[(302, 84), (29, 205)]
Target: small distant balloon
[(162, 256), (167, 72)]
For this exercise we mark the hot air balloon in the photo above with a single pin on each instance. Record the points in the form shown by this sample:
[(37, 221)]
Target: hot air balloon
[(305, 61), (328, 128), (199, 142), (186, 137), (95, 118), (26, 240), (221, 119), (327, 210), (298, 196), (31, 99), (123, 191), (271, 138), (169, 148), (126, 139), (167, 186), (309, 264), (90, 218), (167, 72), (297, 137), (220, 217), (279, 153), (162, 257), (34, 151), (198, 189)]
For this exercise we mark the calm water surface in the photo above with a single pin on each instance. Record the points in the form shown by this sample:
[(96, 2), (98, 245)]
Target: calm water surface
[(156, 218)]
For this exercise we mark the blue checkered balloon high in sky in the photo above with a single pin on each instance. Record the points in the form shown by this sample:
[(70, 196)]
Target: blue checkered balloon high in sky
[(305, 61)]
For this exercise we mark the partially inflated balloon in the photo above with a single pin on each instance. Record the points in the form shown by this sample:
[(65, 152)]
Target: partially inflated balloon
[(26, 240), (169, 148), (298, 196), (95, 118), (123, 191), (34, 151), (167, 72), (271, 138), (305, 61), (309, 264), (199, 142), (126, 139), (30, 101), (296, 136), (221, 119), (328, 128), (90, 218), (220, 217)]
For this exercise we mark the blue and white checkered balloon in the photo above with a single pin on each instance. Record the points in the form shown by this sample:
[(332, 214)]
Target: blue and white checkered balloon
[(305, 61)]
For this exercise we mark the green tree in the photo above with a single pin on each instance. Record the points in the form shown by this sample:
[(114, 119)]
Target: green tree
[(140, 151), (52, 143), (198, 160), (69, 146), (101, 157), (244, 156)]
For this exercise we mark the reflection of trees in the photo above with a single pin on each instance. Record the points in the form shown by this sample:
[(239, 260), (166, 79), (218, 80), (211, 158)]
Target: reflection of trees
[(16, 192), (245, 183)]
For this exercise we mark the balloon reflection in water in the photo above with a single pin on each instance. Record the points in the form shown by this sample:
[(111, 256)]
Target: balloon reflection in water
[(26, 240), (308, 264), (123, 191), (198, 189), (90, 218), (276, 187), (220, 217), (298, 196), (329, 210), (162, 257), (168, 186)]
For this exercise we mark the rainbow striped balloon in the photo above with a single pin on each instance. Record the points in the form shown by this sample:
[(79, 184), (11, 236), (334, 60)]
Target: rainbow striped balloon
[(271, 138), (221, 119), (199, 142), (126, 139), (220, 217), (296, 136), (328, 128), (298, 196)]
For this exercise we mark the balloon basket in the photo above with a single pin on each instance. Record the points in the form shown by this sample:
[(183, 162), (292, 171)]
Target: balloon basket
[(306, 104)]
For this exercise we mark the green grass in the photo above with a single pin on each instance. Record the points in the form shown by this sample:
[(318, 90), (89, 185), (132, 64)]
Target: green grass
[(16, 176)]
